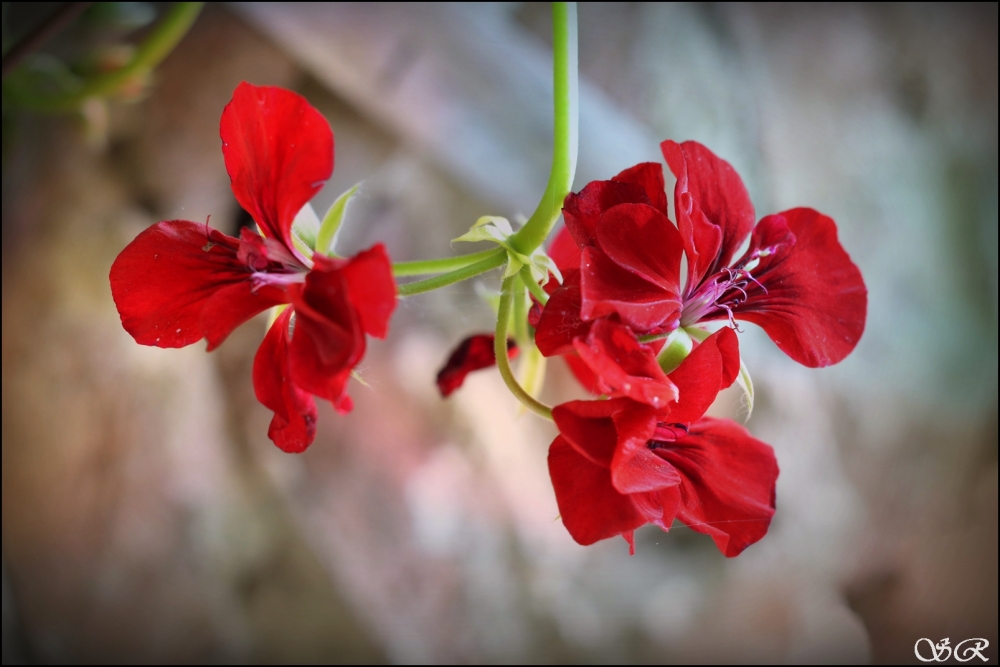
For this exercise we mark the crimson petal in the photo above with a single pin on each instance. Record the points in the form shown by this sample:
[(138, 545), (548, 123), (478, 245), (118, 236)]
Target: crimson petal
[(582, 211), (649, 177), (472, 354), (644, 241), (560, 321), (590, 507), (728, 483), (178, 282), (623, 366), (279, 153), (709, 190), (710, 368), (370, 287), (607, 288), (327, 340), (293, 427), (811, 300)]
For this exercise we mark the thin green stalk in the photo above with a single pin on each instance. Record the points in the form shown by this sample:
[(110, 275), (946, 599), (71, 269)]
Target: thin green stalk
[(482, 266), (519, 296), (157, 46), (533, 287), (424, 267), (565, 81), (500, 350)]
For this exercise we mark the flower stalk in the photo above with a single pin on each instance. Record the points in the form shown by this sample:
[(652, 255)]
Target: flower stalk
[(500, 350)]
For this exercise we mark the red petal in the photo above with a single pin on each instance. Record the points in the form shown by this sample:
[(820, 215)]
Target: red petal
[(564, 251), (293, 427), (179, 281), (581, 371), (634, 467), (560, 320), (590, 507), (623, 366), (728, 483), (371, 288), (582, 211), (711, 367), (708, 185), (327, 341), (472, 354), (607, 288), (641, 239), (816, 302), (588, 426), (649, 177), (279, 153)]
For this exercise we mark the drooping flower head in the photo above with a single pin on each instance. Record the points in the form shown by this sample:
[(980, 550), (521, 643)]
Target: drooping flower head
[(181, 281), (794, 280), (635, 458)]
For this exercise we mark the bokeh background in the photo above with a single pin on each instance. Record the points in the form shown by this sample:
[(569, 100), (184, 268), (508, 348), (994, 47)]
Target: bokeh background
[(146, 516)]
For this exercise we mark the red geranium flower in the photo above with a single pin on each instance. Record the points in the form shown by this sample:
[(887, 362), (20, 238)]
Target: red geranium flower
[(180, 281), (619, 464), (795, 280)]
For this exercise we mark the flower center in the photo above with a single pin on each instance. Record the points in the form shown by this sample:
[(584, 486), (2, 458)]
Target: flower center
[(724, 291)]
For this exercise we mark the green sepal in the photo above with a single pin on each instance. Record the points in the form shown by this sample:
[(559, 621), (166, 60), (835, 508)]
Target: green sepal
[(497, 230), (305, 227), (326, 237), (746, 384), (678, 347)]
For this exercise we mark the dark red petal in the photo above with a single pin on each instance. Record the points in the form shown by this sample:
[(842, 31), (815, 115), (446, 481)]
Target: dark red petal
[(728, 482), (717, 191), (279, 153), (162, 281), (581, 371), (582, 211), (293, 427), (590, 507), (607, 288), (327, 340), (641, 239), (472, 354), (564, 251), (711, 367), (649, 177), (815, 303), (634, 467), (560, 320), (588, 426), (623, 366), (371, 288)]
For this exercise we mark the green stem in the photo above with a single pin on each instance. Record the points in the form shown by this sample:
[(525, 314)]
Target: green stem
[(157, 46), (564, 148), (500, 350), (533, 287), (494, 261), (519, 296), (424, 267)]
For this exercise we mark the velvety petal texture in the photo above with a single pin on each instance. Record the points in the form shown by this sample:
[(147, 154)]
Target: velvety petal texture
[(180, 281), (472, 354), (293, 427), (727, 483), (279, 153), (808, 296)]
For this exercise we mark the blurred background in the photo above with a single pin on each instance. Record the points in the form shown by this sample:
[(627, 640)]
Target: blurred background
[(147, 517)]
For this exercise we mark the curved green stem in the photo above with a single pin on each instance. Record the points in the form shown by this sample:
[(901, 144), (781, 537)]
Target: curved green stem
[(564, 148), (500, 350), (494, 261), (157, 46), (424, 267), (533, 287)]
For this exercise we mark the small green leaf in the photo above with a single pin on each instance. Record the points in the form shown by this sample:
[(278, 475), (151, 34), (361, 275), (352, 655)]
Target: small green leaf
[(326, 238), (305, 226)]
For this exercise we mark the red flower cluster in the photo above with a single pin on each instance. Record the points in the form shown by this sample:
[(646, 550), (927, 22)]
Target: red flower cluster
[(648, 455), (180, 281)]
